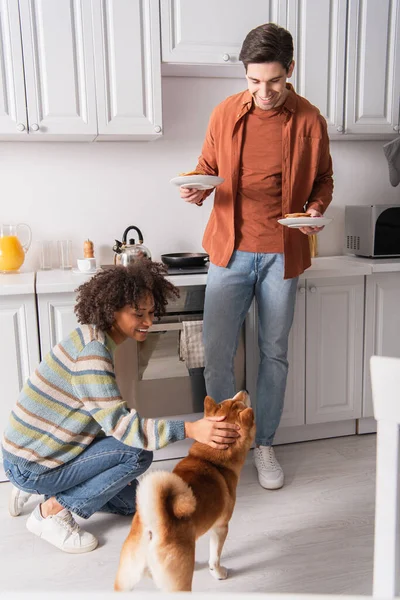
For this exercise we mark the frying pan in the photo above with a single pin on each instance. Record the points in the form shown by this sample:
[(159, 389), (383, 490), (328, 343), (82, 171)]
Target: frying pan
[(185, 259)]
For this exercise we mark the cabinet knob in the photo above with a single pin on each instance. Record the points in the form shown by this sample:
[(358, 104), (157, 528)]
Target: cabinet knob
[(20, 127), (302, 290), (313, 289), (34, 127), (157, 129), (340, 129), (226, 57), (396, 128)]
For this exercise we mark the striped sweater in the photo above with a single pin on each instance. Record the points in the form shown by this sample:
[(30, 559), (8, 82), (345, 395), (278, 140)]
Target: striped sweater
[(69, 400)]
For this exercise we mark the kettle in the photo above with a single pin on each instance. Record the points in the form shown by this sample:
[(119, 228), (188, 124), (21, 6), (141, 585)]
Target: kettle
[(127, 251)]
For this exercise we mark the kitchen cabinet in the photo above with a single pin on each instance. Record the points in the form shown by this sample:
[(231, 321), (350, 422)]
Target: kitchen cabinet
[(50, 59), (211, 33), (382, 325), (79, 70), (19, 350), (128, 69), (325, 352), (354, 82)]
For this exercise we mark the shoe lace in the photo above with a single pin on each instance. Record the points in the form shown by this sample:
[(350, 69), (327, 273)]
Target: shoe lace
[(267, 458), (68, 521)]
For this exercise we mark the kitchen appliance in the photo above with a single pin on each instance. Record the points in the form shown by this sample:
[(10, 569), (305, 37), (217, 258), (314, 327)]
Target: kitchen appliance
[(182, 260), (163, 386), (128, 251), (372, 231), (12, 252)]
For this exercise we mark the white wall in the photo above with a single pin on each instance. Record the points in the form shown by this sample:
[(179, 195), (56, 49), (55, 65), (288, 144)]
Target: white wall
[(95, 190)]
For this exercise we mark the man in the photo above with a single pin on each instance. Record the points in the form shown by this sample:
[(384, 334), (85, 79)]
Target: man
[(271, 147)]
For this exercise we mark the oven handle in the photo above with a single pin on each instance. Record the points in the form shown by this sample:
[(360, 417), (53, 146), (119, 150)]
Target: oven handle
[(166, 327)]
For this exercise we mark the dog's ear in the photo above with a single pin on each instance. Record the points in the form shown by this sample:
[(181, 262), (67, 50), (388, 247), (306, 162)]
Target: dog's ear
[(209, 406), (247, 417)]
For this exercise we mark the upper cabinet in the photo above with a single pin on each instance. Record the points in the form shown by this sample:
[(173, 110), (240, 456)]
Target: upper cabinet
[(128, 69), (319, 35), (57, 49), (80, 70), (13, 119), (211, 33), (373, 67)]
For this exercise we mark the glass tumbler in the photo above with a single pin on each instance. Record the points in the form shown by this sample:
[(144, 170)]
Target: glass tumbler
[(46, 255), (65, 254)]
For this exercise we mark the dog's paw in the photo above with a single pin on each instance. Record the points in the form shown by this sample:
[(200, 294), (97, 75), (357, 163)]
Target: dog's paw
[(218, 572)]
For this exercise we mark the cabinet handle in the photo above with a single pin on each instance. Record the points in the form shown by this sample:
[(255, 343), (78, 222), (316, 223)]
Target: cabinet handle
[(313, 289), (396, 128), (302, 290), (226, 57), (20, 127), (157, 129), (34, 127), (340, 129)]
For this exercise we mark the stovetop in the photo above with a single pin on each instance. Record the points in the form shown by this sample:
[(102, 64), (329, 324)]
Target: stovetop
[(187, 270)]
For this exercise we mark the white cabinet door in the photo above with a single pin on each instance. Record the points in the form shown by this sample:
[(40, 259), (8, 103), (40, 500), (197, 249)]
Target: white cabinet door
[(294, 406), (128, 69), (56, 319), (373, 71), (210, 32), (382, 325), (13, 119), (19, 349), (57, 40), (319, 35), (334, 346)]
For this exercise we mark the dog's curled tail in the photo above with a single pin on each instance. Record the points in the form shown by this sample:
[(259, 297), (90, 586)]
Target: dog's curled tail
[(161, 493)]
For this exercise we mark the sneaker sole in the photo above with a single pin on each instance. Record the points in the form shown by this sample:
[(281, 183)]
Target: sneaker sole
[(32, 525), (13, 505), (271, 486)]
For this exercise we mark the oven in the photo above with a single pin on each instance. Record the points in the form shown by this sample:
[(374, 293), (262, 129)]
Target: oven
[(162, 385)]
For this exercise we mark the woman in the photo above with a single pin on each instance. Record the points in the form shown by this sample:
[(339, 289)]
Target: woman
[(71, 436)]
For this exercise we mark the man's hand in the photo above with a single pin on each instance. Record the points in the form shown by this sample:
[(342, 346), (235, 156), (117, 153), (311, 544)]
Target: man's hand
[(191, 195), (211, 431), (312, 230)]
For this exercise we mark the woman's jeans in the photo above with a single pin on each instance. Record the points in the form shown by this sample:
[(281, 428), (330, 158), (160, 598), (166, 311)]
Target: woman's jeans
[(229, 294), (102, 478)]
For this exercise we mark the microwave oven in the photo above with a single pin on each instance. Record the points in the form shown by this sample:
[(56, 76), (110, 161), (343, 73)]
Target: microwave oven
[(372, 231)]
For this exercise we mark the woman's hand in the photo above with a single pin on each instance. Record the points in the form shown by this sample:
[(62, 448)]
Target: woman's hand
[(191, 195), (211, 431), (311, 230)]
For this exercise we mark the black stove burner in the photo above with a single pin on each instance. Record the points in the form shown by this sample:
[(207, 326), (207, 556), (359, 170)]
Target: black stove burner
[(187, 270)]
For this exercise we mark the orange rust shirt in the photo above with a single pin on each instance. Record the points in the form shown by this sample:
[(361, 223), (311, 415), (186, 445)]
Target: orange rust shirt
[(306, 173), (259, 194)]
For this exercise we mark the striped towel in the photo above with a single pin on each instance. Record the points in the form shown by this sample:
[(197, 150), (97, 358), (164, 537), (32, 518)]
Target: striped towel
[(191, 348)]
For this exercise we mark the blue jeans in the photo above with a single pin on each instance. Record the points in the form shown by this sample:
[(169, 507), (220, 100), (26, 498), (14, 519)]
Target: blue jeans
[(229, 294), (102, 478)]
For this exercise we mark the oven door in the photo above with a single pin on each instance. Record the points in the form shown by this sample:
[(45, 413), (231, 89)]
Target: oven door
[(165, 387)]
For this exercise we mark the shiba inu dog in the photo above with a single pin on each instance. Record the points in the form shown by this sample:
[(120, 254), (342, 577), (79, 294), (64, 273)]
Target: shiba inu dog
[(174, 509)]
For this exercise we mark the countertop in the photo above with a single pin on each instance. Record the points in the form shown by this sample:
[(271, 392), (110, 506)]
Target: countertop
[(58, 281)]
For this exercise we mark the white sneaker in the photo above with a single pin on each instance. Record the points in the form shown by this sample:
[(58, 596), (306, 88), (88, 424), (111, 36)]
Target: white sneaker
[(17, 501), (62, 531), (270, 474)]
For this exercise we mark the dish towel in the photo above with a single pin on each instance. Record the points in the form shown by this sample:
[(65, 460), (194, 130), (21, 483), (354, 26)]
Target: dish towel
[(191, 348), (392, 153)]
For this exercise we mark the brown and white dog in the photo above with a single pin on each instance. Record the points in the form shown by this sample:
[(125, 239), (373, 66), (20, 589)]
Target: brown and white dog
[(174, 509)]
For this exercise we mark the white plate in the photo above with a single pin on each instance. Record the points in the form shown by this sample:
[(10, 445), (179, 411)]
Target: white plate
[(197, 182), (297, 222), (78, 272)]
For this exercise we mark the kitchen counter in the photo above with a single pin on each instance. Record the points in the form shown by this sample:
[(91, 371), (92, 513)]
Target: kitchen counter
[(58, 281), (17, 283)]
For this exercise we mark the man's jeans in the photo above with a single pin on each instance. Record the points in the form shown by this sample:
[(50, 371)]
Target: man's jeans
[(102, 478), (229, 294)]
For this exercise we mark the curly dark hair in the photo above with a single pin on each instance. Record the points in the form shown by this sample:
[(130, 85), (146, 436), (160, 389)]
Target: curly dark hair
[(112, 289)]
